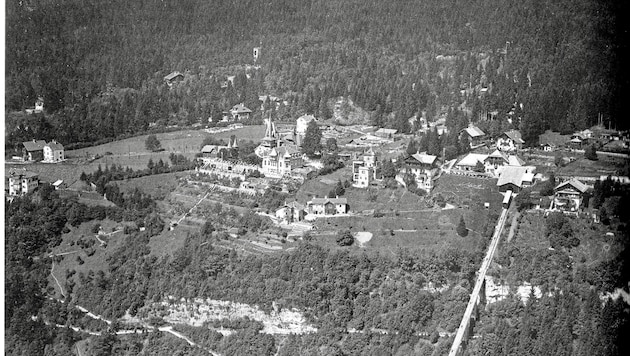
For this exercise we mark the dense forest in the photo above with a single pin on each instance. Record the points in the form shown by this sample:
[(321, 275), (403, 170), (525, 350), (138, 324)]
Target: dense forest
[(99, 64)]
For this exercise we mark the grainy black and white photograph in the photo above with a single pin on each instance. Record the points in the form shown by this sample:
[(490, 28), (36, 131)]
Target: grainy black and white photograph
[(316, 178)]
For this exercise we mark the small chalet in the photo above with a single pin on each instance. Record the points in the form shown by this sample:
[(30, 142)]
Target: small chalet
[(173, 77), (33, 150), (53, 152), (424, 169), (366, 170), (240, 112), (59, 184), (510, 141), (327, 206), (291, 212), (385, 133), (281, 160), (474, 134), (22, 182), (568, 196)]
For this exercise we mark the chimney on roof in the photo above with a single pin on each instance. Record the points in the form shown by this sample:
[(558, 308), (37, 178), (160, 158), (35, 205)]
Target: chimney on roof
[(325, 196)]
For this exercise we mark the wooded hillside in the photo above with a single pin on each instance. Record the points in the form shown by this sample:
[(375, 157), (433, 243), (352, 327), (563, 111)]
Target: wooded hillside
[(99, 65)]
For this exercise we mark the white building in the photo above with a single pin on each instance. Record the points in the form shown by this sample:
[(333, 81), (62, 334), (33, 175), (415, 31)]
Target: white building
[(53, 152), (327, 206), (423, 167), (291, 212), (510, 141), (366, 170), (22, 182), (281, 161)]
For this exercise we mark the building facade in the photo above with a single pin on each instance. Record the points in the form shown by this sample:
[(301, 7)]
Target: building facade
[(327, 206), (568, 196), (510, 141), (281, 161), (366, 170), (22, 182), (53, 152), (424, 169)]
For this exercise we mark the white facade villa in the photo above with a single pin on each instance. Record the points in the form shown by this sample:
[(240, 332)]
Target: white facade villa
[(510, 141), (281, 161), (22, 182), (366, 170), (53, 152), (424, 169)]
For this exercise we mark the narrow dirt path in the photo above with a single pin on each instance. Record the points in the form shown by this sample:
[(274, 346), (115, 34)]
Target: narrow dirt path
[(513, 226), (52, 269)]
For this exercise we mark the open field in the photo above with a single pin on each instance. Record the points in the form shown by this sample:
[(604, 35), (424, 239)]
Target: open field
[(320, 186), (131, 152), (468, 191), (158, 186), (413, 223), (69, 172), (605, 165)]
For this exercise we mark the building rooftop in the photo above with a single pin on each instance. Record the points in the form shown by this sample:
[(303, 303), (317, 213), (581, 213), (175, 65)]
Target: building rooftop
[(515, 160), (514, 175), (474, 131), (240, 109), (424, 158), (386, 131), (55, 146), (515, 136), (17, 173), (172, 76), (581, 187), (35, 145), (471, 159), (325, 200)]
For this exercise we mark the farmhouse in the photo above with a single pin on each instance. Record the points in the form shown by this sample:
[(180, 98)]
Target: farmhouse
[(291, 212), (33, 150), (365, 170), (53, 152), (474, 134), (281, 160), (568, 196), (327, 206), (22, 182), (510, 141), (240, 112), (515, 178), (424, 169)]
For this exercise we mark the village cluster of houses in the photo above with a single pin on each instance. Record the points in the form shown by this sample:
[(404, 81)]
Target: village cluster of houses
[(316, 207), (39, 150)]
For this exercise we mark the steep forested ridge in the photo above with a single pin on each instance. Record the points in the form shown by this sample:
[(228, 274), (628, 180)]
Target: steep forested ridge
[(99, 64)]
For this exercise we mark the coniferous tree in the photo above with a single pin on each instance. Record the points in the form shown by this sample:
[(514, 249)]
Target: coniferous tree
[(461, 227), (312, 140)]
